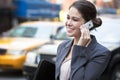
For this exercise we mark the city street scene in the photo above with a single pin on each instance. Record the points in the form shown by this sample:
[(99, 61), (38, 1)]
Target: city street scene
[(32, 30)]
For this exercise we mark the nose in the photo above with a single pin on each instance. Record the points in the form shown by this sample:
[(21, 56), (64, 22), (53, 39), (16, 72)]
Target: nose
[(68, 22)]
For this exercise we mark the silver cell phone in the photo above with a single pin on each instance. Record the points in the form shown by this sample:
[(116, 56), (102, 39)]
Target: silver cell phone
[(89, 24)]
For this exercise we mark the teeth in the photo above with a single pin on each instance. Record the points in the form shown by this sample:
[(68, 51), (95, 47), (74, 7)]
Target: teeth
[(69, 28)]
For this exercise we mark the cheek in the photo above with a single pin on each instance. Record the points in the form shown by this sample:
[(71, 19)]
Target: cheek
[(66, 23), (77, 26)]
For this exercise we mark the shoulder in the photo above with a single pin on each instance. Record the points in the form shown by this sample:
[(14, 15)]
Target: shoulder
[(98, 49), (64, 43), (102, 48), (102, 51)]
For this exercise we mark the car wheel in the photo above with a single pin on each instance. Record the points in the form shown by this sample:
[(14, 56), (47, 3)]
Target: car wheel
[(116, 73)]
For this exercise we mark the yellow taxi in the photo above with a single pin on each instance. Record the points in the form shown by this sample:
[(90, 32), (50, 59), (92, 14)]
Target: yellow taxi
[(20, 40)]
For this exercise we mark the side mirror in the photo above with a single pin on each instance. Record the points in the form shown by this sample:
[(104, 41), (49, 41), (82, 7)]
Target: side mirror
[(52, 37)]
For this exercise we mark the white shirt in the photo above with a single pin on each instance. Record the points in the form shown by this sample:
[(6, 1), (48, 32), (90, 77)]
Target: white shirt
[(65, 69)]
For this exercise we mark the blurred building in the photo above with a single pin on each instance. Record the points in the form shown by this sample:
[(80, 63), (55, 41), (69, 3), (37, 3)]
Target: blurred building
[(108, 3), (117, 3), (6, 16), (26, 10), (108, 6)]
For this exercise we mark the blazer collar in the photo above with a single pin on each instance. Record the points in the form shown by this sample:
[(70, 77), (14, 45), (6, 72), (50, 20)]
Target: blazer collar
[(92, 43), (69, 44)]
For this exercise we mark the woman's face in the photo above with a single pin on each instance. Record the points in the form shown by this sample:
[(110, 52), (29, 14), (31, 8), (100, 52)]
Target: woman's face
[(73, 22)]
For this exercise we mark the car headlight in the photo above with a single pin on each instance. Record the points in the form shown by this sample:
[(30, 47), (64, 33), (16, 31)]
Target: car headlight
[(16, 52), (38, 58), (30, 57)]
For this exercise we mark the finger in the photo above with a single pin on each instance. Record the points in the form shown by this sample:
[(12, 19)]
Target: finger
[(82, 31), (86, 34)]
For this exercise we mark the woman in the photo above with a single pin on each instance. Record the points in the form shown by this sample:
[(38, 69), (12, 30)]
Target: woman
[(82, 58)]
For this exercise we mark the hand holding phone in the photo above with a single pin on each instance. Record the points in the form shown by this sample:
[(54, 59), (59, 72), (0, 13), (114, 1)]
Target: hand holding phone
[(85, 38)]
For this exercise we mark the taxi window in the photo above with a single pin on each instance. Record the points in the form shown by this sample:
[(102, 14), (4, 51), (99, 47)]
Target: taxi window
[(23, 32), (44, 32)]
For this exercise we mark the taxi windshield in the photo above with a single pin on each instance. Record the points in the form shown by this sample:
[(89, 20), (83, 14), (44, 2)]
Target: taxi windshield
[(23, 32), (42, 32)]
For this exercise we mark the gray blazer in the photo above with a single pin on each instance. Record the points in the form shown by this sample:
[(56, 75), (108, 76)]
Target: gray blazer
[(88, 63)]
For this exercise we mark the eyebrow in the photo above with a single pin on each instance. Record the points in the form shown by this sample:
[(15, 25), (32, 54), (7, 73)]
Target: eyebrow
[(75, 17)]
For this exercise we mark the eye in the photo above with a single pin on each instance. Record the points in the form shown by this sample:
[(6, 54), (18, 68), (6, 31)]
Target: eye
[(75, 19), (68, 17)]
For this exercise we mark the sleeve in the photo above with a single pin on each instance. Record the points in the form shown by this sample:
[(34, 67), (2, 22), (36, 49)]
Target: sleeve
[(89, 66), (96, 66)]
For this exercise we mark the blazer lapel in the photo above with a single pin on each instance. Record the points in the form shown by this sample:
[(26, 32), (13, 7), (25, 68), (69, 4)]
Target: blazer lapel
[(64, 53), (65, 50)]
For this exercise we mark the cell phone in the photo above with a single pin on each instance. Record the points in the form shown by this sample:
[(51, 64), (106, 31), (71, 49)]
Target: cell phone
[(89, 24)]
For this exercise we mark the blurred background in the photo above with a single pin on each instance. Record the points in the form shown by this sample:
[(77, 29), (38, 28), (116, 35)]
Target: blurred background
[(26, 36)]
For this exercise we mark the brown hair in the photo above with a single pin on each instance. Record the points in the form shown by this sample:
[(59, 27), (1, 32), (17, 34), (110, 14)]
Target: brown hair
[(88, 11)]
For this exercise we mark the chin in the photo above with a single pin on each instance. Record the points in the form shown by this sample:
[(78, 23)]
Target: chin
[(69, 35)]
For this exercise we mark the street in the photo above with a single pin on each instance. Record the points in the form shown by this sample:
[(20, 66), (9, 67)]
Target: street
[(11, 76)]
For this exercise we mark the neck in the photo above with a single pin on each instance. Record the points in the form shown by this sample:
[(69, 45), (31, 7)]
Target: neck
[(75, 41)]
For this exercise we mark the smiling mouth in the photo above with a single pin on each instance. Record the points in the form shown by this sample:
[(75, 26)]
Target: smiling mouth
[(70, 30)]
